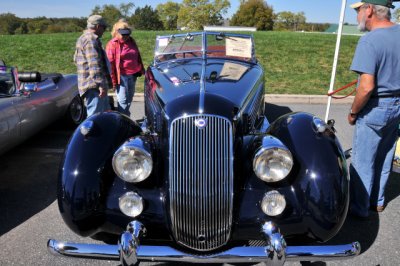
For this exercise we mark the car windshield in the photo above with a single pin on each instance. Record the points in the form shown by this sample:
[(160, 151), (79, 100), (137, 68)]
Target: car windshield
[(207, 44), (6, 81)]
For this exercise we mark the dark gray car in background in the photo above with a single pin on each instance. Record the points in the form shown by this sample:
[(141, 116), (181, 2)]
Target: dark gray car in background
[(31, 101)]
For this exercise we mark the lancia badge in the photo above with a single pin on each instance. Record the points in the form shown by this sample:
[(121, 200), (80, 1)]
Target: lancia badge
[(200, 123)]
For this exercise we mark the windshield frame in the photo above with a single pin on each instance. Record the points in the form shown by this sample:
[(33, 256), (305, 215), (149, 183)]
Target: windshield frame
[(162, 54)]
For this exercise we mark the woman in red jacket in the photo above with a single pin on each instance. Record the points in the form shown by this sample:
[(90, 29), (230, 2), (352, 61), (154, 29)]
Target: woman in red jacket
[(126, 64)]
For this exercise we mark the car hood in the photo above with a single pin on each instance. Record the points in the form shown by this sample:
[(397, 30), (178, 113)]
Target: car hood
[(225, 88)]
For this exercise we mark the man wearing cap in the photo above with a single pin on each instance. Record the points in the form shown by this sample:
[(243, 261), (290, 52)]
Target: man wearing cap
[(93, 75), (375, 111)]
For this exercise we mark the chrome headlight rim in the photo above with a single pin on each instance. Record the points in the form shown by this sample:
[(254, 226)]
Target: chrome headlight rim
[(131, 195), (131, 147), (282, 151), (273, 195)]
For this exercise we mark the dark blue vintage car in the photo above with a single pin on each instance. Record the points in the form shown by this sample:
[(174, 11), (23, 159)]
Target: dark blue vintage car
[(205, 177)]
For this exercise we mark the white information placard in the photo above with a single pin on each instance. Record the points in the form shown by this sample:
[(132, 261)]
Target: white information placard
[(236, 46), (232, 71), (162, 42)]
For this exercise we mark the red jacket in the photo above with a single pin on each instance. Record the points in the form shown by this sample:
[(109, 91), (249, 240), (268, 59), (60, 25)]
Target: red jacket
[(113, 50)]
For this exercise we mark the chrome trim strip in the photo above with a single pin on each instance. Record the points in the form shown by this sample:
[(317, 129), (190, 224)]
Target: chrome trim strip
[(92, 251), (315, 253), (202, 92), (274, 253)]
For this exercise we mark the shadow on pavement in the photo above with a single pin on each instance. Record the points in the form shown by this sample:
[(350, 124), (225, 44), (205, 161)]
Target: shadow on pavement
[(392, 187), (28, 176), (366, 232)]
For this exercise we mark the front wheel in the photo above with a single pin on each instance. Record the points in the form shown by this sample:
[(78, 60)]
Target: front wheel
[(76, 112)]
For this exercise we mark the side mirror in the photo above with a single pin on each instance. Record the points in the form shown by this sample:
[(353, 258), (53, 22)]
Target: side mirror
[(220, 37), (189, 37)]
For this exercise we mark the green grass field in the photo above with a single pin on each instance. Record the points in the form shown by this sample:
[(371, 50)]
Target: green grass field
[(294, 63)]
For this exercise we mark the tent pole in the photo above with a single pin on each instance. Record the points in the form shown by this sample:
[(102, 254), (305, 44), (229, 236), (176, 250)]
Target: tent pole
[(335, 59)]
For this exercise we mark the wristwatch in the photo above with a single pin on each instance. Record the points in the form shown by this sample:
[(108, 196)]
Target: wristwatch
[(352, 113)]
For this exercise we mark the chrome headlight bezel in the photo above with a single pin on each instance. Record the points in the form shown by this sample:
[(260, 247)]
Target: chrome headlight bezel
[(131, 204), (273, 203), (132, 162), (273, 161)]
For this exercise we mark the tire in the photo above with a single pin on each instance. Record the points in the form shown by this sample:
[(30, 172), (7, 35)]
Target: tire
[(76, 112)]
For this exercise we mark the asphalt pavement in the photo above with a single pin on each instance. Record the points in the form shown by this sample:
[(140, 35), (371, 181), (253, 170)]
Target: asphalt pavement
[(29, 213)]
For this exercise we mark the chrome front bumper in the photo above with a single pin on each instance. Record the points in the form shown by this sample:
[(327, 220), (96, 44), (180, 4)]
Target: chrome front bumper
[(129, 251)]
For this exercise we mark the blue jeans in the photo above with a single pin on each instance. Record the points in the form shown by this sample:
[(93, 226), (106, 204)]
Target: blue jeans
[(125, 92), (94, 103), (374, 140)]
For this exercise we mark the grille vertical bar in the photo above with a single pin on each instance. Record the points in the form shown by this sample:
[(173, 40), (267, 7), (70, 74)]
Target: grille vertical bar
[(201, 181), (255, 108)]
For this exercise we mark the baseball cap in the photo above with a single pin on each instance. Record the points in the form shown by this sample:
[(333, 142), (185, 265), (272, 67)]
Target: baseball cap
[(96, 20), (124, 31), (387, 3)]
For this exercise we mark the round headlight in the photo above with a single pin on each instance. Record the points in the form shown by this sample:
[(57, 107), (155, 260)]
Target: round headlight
[(132, 164), (131, 204), (273, 203), (272, 164)]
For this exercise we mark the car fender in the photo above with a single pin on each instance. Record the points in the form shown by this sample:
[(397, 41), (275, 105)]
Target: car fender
[(86, 173), (318, 186)]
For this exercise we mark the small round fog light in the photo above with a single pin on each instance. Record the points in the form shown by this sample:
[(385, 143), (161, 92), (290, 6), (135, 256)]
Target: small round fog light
[(131, 204), (273, 203)]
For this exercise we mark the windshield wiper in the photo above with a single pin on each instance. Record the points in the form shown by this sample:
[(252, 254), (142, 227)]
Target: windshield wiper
[(170, 39), (187, 37)]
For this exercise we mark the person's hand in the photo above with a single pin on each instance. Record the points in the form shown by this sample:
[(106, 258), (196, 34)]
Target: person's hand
[(352, 118), (103, 92)]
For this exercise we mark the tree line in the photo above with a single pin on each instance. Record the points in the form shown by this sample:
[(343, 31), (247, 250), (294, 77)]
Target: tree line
[(189, 14)]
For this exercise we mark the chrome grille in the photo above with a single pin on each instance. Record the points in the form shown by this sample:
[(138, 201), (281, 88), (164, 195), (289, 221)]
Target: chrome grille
[(201, 181)]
